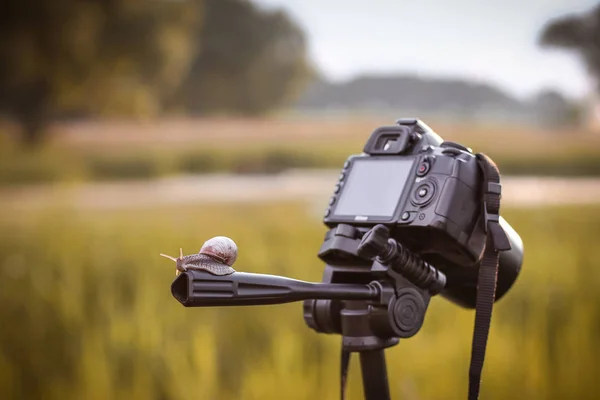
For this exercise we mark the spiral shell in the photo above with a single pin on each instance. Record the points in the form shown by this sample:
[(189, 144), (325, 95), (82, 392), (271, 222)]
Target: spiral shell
[(220, 248)]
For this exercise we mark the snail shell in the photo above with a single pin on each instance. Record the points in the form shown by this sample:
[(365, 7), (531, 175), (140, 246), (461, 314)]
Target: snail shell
[(221, 248)]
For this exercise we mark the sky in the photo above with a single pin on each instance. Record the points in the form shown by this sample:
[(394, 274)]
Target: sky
[(483, 40)]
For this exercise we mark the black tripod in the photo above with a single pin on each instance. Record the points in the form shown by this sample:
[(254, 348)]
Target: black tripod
[(372, 304)]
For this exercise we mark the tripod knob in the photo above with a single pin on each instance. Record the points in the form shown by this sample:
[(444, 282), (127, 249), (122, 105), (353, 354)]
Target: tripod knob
[(374, 243)]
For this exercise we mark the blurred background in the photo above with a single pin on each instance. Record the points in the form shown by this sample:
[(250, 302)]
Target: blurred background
[(130, 128)]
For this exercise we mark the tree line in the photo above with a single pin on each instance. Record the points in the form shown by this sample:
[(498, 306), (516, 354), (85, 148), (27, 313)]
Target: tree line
[(98, 58)]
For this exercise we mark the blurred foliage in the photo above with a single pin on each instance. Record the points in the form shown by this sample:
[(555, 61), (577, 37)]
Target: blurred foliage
[(552, 109), (117, 167), (563, 155), (577, 32), (87, 58), (91, 57), (87, 313), (565, 166), (249, 60), (41, 168)]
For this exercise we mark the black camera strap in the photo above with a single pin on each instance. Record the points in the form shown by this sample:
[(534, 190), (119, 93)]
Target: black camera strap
[(496, 241)]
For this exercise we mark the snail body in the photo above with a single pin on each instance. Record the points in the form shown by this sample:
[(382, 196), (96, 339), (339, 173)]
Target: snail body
[(216, 256)]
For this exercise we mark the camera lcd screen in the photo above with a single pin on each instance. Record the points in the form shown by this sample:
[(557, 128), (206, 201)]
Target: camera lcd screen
[(374, 187)]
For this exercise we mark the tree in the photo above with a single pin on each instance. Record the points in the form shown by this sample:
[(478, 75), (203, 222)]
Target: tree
[(552, 109), (91, 56), (580, 33), (142, 58), (250, 60)]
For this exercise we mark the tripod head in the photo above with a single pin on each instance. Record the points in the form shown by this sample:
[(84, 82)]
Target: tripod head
[(413, 282), (395, 300)]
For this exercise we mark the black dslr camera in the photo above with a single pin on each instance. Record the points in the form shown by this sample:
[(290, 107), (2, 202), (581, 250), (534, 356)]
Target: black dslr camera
[(411, 217), (427, 192)]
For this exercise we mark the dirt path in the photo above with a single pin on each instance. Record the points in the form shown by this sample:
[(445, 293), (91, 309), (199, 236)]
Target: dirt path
[(311, 186)]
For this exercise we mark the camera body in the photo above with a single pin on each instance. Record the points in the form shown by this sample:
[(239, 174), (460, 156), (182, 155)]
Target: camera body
[(427, 192)]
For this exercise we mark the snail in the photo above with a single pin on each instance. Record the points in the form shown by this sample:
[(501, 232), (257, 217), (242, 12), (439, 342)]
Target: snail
[(216, 256)]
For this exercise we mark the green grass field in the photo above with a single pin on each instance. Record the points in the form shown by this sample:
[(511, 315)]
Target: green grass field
[(87, 313)]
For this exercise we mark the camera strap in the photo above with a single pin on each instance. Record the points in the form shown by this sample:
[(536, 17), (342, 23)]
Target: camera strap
[(496, 241)]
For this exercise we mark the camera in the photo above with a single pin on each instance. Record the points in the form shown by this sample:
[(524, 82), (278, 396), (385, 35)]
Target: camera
[(428, 193)]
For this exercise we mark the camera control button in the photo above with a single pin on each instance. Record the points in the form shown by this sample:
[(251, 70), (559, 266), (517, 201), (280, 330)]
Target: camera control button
[(346, 165), (332, 200), (456, 146), (423, 194), (407, 217), (423, 169), (342, 176), (452, 152), (337, 188), (327, 212)]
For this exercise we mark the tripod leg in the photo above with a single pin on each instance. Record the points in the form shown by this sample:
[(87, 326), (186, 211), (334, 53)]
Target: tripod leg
[(374, 375)]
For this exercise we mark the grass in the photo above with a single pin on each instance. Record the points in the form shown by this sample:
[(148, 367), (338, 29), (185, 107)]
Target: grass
[(87, 313), (112, 151)]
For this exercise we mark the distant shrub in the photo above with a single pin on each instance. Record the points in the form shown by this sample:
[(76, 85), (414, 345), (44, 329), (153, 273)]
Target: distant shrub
[(198, 163), (141, 166), (279, 161), (587, 165), (22, 171), (273, 161)]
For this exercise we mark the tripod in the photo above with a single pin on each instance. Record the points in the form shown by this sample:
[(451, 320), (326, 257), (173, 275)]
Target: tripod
[(371, 307), (374, 375)]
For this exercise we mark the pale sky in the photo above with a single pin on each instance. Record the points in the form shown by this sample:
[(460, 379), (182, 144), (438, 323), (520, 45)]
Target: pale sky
[(492, 41)]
